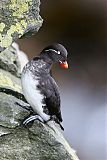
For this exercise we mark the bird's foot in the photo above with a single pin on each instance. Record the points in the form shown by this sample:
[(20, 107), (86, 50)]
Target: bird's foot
[(33, 118)]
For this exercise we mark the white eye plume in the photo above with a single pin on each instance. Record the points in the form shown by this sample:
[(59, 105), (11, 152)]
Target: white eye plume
[(58, 52)]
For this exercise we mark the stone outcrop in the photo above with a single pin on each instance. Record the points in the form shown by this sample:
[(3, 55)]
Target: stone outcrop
[(18, 18)]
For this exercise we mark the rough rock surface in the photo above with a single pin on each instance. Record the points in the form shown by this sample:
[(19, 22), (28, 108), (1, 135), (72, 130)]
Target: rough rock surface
[(9, 61), (37, 141), (18, 18)]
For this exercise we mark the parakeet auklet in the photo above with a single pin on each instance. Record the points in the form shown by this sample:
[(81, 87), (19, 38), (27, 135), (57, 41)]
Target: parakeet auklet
[(39, 88)]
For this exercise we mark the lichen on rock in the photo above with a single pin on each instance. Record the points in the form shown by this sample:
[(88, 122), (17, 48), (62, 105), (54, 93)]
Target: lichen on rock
[(18, 18)]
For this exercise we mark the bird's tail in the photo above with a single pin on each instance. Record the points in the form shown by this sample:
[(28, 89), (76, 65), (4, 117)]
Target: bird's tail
[(58, 122), (61, 126)]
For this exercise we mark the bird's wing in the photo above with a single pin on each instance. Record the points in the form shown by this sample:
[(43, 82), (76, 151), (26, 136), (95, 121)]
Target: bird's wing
[(49, 89)]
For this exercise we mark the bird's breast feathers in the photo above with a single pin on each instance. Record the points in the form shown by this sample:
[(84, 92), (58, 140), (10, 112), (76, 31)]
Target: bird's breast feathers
[(33, 94)]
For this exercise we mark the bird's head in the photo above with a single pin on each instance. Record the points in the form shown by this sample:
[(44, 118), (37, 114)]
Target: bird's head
[(57, 53)]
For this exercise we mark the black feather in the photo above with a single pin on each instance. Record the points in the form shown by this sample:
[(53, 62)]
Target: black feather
[(49, 89)]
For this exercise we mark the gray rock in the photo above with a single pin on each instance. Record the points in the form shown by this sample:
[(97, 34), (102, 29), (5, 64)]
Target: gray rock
[(9, 81), (11, 115), (35, 143), (18, 18), (9, 61), (22, 144)]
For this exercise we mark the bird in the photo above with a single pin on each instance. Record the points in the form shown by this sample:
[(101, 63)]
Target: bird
[(39, 87)]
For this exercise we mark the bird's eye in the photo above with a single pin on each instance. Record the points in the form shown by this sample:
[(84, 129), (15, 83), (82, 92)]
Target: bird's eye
[(59, 52)]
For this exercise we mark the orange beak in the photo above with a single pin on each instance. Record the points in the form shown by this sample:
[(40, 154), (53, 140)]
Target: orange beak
[(63, 64)]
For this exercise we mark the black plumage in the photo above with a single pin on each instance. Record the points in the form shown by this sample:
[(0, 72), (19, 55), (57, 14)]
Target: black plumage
[(49, 89)]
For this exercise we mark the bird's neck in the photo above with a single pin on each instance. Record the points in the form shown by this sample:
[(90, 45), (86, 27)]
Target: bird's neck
[(40, 66), (46, 62), (47, 66)]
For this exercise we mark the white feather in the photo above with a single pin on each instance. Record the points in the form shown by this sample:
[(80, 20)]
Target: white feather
[(53, 50), (33, 95)]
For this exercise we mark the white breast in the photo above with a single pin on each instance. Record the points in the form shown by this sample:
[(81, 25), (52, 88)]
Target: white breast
[(32, 94)]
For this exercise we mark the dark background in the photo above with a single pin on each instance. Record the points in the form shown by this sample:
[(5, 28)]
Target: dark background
[(81, 27)]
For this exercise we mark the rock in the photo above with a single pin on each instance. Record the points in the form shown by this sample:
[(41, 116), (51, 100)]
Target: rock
[(9, 61), (36, 143), (13, 60), (10, 93), (18, 18), (9, 81), (11, 115)]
